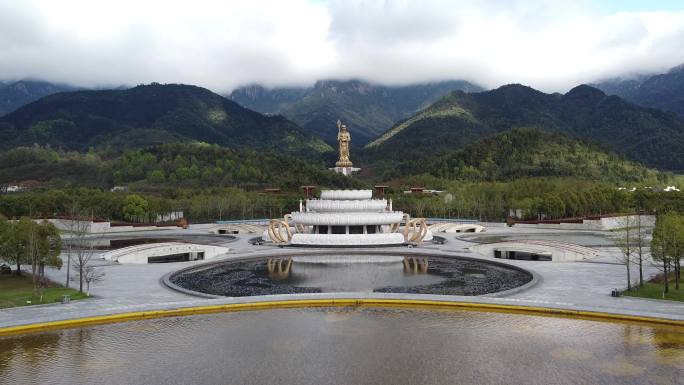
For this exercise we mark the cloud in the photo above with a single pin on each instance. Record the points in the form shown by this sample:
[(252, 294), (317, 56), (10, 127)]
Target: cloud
[(223, 45)]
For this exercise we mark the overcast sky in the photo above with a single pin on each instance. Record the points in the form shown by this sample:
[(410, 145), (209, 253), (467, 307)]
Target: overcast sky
[(546, 44)]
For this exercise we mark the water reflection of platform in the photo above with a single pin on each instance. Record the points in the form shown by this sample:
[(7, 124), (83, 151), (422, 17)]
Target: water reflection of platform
[(354, 274)]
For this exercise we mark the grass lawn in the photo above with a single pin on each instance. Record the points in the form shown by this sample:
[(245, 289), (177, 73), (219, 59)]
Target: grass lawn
[(655, 290), (16, 290)]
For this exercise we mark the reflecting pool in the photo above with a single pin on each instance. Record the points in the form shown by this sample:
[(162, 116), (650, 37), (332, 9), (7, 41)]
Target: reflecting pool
[(365, 345), (352, 273)]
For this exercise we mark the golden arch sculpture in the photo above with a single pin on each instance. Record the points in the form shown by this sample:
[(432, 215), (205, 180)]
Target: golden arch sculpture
[(275, 231), (299, 227), (394, 227), (415, 229), (276, 227)]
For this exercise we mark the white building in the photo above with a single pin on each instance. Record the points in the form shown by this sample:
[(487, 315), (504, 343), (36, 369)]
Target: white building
[(347, 218)]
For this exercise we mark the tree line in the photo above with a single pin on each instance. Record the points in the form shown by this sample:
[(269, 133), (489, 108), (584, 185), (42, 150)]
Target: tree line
[(667, 246), (27, 242), (551, 198), (198, 205), (37, 243)]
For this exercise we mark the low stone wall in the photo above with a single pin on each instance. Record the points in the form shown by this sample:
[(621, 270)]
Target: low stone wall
[(456, 228), (140, 253), (236, 228), (603, 224), (559, 251), (101, 227)]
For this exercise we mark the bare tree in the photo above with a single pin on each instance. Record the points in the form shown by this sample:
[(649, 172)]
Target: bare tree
[(83, 250), (640, 243), (625, 240), (659, 248), (93, 275), (78, 229)]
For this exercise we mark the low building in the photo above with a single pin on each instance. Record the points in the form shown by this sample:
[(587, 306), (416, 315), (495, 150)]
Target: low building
[(536, 250), (422, 190), (164, 253)]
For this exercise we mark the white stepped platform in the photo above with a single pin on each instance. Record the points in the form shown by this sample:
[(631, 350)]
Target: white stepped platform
[(347, 239), (346, 194), (347, 219), (324, 206)]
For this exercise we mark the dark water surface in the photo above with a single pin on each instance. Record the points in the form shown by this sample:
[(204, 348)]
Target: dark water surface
[(340, 273), (348, 346)]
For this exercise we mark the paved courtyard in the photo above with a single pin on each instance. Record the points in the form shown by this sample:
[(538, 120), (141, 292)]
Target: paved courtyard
[(567, 285)]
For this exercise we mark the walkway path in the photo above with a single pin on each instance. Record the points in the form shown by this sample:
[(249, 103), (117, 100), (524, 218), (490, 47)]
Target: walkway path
[(572, 285)]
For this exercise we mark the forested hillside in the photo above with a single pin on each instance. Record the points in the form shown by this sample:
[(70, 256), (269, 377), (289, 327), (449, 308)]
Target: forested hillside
[(649, 136), (148, 115), (525, 153), (174, 165), (184, 148)]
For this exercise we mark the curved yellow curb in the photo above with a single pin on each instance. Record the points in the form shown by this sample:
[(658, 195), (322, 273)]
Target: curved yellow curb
[(370, 302)]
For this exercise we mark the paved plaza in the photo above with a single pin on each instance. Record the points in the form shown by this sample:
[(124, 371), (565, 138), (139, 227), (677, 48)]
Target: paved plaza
[(561, 285)]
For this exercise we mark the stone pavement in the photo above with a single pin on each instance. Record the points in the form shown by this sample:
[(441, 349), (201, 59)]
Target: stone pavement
[(573, 286)]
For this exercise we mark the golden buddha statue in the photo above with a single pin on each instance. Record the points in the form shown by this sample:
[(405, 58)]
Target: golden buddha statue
[(343, 139)]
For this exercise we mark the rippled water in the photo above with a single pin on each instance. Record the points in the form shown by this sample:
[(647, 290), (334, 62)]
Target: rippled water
[(348, 346)]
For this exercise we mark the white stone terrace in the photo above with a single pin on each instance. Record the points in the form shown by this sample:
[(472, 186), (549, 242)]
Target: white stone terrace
[(573, 286)]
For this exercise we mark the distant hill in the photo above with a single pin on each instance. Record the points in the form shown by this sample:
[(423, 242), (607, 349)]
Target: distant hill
[(166, 166), (649, 136), (368, 110), (17, 94), (664, 91), (525, 153), (148, 115)]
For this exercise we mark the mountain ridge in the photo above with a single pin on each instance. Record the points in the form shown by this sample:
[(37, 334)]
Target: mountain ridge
[(366, 108), (647, 135), (150, 114), (16, 94), (662, 91)]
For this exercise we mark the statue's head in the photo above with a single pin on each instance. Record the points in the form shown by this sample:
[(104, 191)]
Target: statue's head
[(343, 127)]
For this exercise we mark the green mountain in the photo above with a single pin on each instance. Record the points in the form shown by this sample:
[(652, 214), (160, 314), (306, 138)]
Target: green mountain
[(148, 115), (17, 94), (663, 91), (648, 136), (524, 153), (368, 110)]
